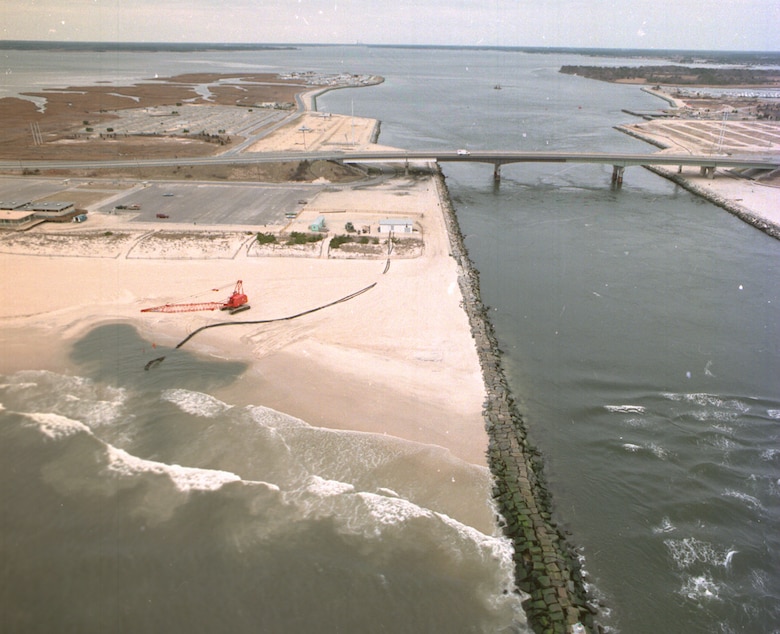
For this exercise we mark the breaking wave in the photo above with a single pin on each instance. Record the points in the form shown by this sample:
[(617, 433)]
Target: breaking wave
[(690, 551), (215, 500)]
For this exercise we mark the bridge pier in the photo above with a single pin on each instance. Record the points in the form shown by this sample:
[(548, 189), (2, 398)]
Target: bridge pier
[(497, 172), (708, 171), (617, 175)]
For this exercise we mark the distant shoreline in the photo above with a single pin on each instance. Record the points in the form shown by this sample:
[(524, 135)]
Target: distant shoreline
[(675, 75), (169, 47), (678, 55)]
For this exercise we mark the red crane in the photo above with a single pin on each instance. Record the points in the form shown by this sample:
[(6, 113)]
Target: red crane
[(236, 303)]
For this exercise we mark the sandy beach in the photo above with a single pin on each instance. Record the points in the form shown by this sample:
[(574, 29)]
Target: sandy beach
[(399, 359)]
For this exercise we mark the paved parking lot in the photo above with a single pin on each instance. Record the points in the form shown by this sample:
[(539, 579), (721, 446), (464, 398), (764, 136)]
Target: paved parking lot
[(216, 203), (24, 190), (192, 203), (228, 120)]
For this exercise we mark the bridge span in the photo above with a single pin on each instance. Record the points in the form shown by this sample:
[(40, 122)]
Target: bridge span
[(707, 163)]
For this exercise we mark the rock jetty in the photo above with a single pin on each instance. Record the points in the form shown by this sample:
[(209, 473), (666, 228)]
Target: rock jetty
[(546, 567)]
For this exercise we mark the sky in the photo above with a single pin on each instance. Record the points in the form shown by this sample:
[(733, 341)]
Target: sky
[(648, 24)]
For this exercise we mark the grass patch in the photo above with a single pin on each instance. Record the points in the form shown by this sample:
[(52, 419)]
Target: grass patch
[(298, 237), (337, 241), (266, 238)]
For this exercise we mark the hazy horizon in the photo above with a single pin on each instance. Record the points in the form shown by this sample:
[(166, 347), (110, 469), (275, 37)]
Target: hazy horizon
[(10, 43), (744, 25)]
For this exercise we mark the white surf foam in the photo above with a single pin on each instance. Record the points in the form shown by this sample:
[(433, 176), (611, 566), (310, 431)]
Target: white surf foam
[(326, 488), (95, 413), (625, 409), (55, 426), (195, 403), (388, 511), (391, 511), (700, 587), (637, 422), (721, 443), (658, 451), (750, 500), (75, 397), (690, 551), (666, 526), (18, 386), (185, 478), (273, 419), (653, 448), (769, 454), (731, 405), (498, 548)]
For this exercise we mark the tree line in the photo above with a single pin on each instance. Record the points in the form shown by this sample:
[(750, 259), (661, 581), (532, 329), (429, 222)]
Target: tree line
[(678, 75)]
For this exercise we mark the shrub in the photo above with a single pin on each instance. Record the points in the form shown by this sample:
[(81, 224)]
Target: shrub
[(266, 238), (337, 241), (297, 237)]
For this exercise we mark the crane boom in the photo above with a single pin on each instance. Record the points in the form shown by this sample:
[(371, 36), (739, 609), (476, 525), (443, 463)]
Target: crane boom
[(237, 302), (184, 308)]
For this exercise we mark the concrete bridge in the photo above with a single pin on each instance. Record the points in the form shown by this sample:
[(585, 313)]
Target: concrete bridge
[(707, 163)]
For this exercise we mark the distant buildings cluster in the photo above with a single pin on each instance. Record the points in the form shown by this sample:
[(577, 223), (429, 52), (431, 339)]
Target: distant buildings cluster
[(310, 78)]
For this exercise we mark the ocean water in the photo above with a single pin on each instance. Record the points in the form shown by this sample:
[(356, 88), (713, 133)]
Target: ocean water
[(138, 501), (640, 331)]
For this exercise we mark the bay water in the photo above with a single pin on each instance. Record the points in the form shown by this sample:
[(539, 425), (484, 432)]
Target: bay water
[(640, 332)]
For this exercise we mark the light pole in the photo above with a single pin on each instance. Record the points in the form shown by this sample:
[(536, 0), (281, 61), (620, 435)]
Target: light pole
[(304, 130)]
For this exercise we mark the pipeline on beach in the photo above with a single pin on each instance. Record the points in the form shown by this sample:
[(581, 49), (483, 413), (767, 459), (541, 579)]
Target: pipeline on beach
[(155, 362)]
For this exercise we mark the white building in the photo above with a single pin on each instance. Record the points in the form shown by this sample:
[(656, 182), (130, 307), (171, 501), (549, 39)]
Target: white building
[(396, 225)]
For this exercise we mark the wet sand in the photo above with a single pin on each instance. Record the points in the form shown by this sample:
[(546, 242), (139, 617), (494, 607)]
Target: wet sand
[(398, 359)]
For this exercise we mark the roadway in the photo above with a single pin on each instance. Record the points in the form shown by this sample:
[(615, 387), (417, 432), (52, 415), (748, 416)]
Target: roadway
[(496, 158)]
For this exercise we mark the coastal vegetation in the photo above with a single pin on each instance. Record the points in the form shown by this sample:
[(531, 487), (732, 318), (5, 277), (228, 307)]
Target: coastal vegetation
[(678, 75), (337, 241), (295, 237), (298, 237), (266, 238)]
